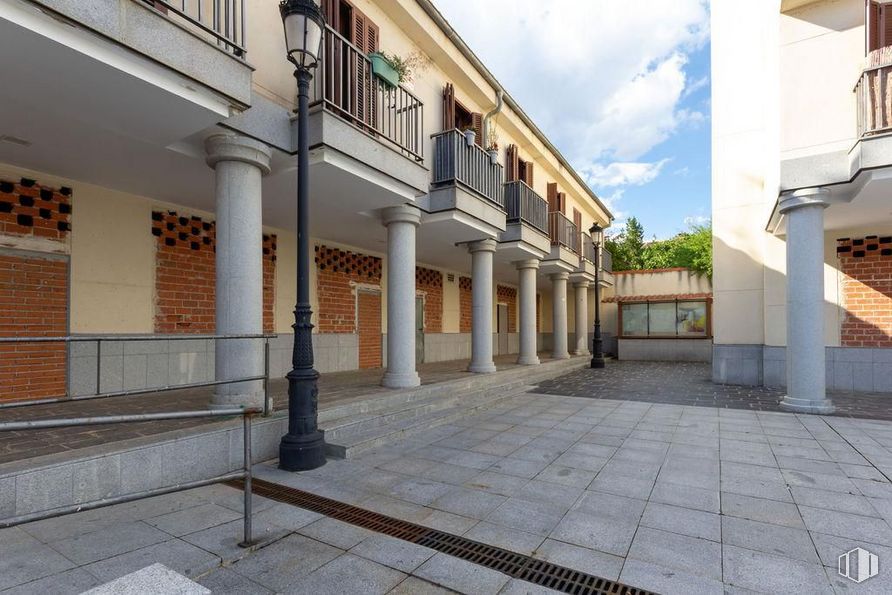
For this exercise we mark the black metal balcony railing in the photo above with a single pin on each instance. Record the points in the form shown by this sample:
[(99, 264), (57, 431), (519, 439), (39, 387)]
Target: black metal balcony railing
[(222, 20), (606, 264), (874, 97), (588, 248), (456, 162), (562, 231), (346, 86), (524, 204)]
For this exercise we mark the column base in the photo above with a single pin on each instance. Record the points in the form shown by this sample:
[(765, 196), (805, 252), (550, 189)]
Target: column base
[(822, 406), (303, 452), (581, 352), (487, 368), (560, 356), (230, 401), (528, 360), (396, 380)]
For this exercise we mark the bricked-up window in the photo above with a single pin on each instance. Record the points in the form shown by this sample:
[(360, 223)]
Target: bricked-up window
[(186, 270), (465, 303), (508, 296), (33, 287), (430, 283), (866, 264)]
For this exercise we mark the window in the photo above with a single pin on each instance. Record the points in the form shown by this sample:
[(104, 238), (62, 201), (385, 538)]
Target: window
[(458, 117), (664, 319), (879, 25)]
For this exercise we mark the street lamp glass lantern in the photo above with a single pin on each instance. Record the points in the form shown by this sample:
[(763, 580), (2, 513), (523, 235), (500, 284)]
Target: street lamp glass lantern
[(303, 31), (597, 233)]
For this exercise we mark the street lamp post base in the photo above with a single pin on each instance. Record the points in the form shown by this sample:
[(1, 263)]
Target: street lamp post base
[(302, 453), (598, 362)]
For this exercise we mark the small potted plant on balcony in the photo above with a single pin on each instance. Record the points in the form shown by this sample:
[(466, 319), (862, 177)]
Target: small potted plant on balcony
[(395, 70), (385, 68), (470, 134), (493, 151)]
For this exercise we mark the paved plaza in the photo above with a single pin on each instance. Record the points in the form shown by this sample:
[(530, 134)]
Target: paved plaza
[(671, 498)]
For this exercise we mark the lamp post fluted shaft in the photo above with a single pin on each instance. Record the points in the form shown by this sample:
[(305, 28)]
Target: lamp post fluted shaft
[(597, 343), (303, 447)]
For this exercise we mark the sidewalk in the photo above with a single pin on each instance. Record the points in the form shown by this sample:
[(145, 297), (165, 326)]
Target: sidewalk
[(671, 498)]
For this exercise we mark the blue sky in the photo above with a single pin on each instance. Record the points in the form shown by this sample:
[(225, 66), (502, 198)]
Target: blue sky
[(622, 89)]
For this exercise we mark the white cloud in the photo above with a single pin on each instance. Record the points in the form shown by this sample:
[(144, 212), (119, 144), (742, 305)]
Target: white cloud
[(614, 76), (693, 220), (621, 173)]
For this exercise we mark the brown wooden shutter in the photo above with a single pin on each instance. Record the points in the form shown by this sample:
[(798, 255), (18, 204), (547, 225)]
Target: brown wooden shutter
[(448, 107), (477, 123), (552, 196), (512, 163), (330, 12), (365, 38), (528, 171), (577, 220), (562, 202), (885, 28)]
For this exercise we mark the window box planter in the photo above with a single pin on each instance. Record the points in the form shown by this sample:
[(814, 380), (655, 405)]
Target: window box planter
[(384, 70)]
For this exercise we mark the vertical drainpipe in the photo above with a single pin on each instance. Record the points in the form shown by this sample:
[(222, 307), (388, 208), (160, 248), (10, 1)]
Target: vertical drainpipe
[(499, 102)]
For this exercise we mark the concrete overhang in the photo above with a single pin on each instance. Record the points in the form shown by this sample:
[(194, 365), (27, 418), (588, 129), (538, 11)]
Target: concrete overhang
[(469, 216), (521, 241), (560, 259)]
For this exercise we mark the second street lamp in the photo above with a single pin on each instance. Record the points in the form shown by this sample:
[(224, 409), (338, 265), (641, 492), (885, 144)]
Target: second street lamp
[(303, 447), (597, 233)]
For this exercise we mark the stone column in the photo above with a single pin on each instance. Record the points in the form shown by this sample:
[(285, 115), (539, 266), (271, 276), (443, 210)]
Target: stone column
[(401, 223), (481, 309), (240, 163), (559, 315), (806, 373), (526, 273), (581, 288)]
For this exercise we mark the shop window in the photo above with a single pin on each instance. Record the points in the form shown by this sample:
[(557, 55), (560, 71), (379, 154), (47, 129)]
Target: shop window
[(664, 319)]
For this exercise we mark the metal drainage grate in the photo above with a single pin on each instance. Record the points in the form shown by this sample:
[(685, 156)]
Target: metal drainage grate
[(507, 562)]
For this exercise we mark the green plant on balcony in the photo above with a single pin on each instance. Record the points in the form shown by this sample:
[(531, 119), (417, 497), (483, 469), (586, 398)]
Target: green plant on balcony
[(395, 70)]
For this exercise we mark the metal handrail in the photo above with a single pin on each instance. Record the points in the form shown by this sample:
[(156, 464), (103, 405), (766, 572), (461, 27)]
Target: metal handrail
[(606, 260), (588, 248), (522, 203), (228, 20), (347, 87), (456, 162), (245, 473), (99, 339)]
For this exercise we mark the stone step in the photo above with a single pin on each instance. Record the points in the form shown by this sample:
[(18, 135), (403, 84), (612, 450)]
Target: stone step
[(349, 444)]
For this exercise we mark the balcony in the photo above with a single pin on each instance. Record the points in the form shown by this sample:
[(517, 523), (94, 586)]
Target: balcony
[(466, 189), (526, 235), (874, 100), (563, 232), (525, 206), (199, 41), (347, 88)]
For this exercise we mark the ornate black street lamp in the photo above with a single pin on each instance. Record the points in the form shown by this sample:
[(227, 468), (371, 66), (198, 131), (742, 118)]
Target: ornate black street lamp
[(303, 447), (597, 233)]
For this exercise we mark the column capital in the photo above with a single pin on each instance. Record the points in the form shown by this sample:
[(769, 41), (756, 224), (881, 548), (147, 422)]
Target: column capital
[(487, 245), (235, 147), (807, 197), (584, 284), (532, 263), (401, 214), (563, 276)]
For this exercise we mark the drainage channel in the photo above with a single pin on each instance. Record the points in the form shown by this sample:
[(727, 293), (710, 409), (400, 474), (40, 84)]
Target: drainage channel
[(507, 562)]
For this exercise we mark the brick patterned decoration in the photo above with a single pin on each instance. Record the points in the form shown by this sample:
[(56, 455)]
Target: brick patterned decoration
[(33, 302), (538, 310), (430, 282), (185, 275), (508, 295), (29, 209), (465, 303), (866, 264)]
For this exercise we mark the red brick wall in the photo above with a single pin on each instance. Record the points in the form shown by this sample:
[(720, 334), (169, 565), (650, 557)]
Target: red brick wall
[(185, 275), (508, 295), (538, 310), (368, 306), (867, 291), (33, 289), (466, 304), (430, 282)]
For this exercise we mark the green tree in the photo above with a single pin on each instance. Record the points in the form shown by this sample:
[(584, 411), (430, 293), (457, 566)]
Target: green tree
[(691, 249), (627, 247)]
